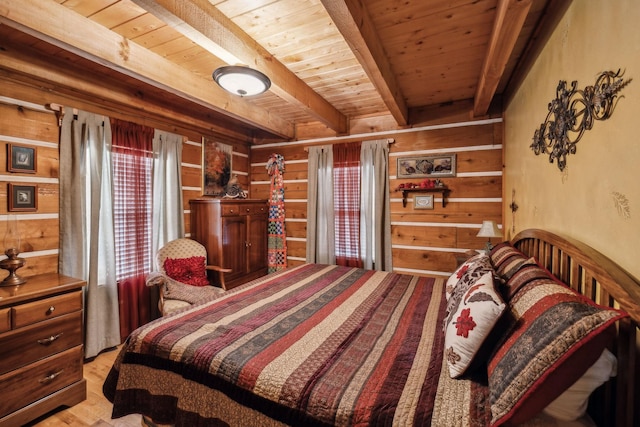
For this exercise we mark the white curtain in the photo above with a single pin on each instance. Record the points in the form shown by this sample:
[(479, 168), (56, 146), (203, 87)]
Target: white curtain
[(375, 211), (320, 216), (87, 242), (168, 210)]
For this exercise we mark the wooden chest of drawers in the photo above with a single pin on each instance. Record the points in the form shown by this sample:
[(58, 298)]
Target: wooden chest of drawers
[(234, 231), (41, 347)]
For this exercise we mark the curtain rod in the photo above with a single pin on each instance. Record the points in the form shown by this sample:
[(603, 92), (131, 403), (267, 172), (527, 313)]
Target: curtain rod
[(59, 110), (389, 141)]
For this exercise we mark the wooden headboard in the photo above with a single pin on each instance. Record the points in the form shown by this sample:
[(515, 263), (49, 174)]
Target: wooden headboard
[(594, 275)]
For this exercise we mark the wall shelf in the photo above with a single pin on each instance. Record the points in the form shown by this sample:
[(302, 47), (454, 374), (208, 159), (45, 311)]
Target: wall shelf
[(442, 190)]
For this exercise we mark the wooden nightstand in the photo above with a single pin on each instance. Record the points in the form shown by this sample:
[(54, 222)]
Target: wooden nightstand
[(41, 347)]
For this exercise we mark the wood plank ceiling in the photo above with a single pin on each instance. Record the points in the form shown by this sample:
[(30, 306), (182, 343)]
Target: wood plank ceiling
[(330, 61)]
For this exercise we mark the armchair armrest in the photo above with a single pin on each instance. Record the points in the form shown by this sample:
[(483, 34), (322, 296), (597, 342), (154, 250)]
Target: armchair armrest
[(220, 271), (155, 278)]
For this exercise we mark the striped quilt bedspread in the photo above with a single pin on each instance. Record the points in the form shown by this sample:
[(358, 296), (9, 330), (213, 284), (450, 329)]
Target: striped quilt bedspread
[(311, 345)]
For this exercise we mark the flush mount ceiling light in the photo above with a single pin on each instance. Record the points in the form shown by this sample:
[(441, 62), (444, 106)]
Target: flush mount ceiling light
[(243, 81)]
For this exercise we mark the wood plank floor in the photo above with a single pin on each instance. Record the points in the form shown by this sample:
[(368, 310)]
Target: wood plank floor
[(96, 410)]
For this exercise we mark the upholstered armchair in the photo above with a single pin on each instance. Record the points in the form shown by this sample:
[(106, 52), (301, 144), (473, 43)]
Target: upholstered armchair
[(181, 275)]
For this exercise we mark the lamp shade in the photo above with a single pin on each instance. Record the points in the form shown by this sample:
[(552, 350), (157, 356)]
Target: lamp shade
[(489, 229), (243, 81)]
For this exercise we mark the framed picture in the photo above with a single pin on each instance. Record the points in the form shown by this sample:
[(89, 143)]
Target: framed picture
[(22, 197), (423, 202), (427, 166), (216, 167), (21, 158)]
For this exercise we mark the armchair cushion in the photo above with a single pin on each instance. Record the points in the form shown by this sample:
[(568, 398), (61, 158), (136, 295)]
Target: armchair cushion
[(191, 271)]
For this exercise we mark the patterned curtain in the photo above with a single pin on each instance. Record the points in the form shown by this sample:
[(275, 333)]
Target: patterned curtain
[(132, 163), (346, 200), (277, 249)]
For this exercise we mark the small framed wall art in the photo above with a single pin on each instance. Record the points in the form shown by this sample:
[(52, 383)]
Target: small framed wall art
[(22, 198), (423, 202), (21, 158), (427, 166)]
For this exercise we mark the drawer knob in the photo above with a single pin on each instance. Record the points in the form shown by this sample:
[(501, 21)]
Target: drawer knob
[(47, 341), (51, 310), (49, 378)]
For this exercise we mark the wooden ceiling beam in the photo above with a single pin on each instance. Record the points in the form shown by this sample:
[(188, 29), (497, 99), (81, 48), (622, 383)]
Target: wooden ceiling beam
[(205, 25), (510, 18), (97, 93), (51, 22), (354, 22)]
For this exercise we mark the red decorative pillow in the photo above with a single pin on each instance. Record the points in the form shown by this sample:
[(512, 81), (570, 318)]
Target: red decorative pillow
[(191, 271)]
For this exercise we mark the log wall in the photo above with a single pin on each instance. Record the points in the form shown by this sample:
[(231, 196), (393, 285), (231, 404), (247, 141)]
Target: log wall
[(424, 241), (25, 121)]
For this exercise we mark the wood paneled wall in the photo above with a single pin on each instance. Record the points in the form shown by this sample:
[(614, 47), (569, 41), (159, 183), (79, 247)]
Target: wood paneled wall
[(32, 126), (25, 120), (424, 241)]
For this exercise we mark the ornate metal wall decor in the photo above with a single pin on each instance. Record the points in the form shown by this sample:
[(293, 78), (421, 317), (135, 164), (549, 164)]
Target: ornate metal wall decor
[(573, 112)]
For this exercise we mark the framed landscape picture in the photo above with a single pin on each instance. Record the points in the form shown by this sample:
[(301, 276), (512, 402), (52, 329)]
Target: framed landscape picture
[(427, 166)]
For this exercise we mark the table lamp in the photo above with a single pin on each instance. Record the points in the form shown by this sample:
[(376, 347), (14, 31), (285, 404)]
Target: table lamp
[(489, 229)]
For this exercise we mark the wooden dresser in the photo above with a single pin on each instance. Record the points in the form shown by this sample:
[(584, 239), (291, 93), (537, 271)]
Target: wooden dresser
[(234, 231), (41, 347)]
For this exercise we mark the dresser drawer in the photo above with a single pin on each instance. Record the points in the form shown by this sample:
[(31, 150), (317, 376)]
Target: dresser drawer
[(27, 314), (257, 209), (5, 319), (26, 345), (227, 210), (35, 381)]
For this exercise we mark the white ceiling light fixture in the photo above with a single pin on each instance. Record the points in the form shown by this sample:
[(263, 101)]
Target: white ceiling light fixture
[(240, 80)]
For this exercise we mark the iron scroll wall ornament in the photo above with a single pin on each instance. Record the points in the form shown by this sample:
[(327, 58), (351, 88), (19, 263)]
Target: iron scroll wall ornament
[(573, 112)]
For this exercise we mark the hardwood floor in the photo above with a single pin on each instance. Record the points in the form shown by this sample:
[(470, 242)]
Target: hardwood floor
[(96, 410)]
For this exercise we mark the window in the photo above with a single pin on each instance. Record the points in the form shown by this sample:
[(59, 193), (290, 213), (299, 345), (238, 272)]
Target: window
[(132, 209), (132, 162), (346, 203)]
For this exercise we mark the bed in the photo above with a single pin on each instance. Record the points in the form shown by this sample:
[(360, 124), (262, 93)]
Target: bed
[(504, 341)]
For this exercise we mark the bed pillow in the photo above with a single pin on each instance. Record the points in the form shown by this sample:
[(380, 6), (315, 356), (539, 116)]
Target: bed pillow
[(471, 325), (513, 265), (474, 270), (502, 252), (526, 274), (470, 263), (191, 271), (552, 335), (572, 404), (507, 260)]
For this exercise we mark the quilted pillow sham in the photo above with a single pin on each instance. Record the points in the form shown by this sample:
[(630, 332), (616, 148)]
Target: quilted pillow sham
[(503, 251), (468, 331), (507, 260), (552, 336), (526, 274), (191, 271)]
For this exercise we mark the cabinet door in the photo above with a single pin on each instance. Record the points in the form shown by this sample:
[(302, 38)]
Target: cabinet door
[(234, 242), (257, 238)]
